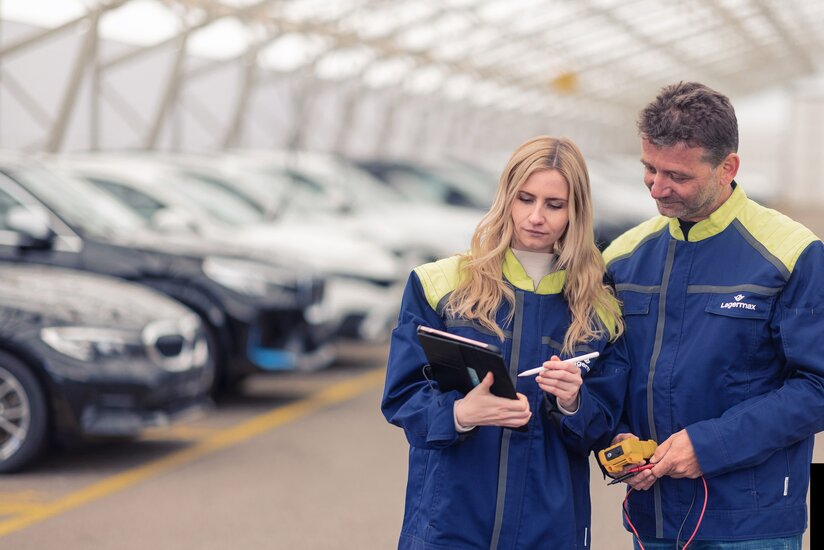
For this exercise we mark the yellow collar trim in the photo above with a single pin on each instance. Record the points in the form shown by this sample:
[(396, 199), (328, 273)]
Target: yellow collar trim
[(515, 273), (718, 220)]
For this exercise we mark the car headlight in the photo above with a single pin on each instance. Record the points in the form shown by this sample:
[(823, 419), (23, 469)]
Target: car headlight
[(248, 278), (174, 345), (90, 343)]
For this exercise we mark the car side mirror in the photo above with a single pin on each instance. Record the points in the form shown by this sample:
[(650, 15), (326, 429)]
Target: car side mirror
[(31, 225)]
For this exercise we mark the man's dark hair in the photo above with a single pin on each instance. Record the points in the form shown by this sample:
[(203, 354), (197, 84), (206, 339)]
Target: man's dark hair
[(694, 114)]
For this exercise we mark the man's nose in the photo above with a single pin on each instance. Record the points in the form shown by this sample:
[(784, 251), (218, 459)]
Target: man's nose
[(658, 186)]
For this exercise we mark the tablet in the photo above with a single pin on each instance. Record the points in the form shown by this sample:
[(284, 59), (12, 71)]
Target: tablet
[(459, 363)]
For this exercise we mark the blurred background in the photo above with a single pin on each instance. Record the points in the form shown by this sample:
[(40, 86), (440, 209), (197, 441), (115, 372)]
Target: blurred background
[(209, 208)]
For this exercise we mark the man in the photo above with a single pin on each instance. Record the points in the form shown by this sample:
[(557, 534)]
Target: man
[(724, 310)]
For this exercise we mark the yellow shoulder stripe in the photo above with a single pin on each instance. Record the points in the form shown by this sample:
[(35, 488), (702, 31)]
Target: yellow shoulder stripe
[(625, 244), (439, 278), (781, 236)]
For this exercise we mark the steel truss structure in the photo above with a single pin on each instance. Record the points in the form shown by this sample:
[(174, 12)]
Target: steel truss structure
[(376, 76)]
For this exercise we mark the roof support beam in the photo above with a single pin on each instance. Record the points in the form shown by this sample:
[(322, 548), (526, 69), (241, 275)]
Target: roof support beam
[(25, 99), (664, 47), (799, 53), (246, 11), (353, 97), (170, 93), (236, 125), (11, 49), (58, 131)]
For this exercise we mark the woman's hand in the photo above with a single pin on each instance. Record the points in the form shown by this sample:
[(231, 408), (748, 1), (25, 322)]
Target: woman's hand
[(481, 408), (563, 380)]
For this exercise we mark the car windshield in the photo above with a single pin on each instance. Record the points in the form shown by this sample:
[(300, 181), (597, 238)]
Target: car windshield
[(339, 178), (474, 183), (417, 184), (78, 202), (219, 199)]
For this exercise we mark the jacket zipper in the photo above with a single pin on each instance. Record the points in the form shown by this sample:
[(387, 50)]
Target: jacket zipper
[(507, 434), (656, 351)]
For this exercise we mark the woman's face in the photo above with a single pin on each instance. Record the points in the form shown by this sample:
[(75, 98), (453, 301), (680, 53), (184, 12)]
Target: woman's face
[(540, 211)]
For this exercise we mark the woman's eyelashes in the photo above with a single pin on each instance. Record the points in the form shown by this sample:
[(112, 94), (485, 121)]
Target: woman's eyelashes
[(550, 204)]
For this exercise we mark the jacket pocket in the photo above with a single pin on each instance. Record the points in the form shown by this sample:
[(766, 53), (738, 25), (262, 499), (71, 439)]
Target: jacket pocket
[(635, 303), (740, 305)]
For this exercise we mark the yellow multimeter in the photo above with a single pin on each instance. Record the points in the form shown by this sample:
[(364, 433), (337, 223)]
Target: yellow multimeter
[(629, 451)]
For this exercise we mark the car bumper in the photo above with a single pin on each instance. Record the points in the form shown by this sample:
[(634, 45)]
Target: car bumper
[(286, 341), (98, 419), (366, 311), (121, 398)]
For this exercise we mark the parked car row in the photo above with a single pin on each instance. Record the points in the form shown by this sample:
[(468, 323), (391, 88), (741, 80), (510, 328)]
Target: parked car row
[(134, 286)]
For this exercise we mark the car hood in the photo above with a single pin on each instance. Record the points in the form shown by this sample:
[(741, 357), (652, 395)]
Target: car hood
[(431, 230), (67, 297), (324, 247), (178, 243)]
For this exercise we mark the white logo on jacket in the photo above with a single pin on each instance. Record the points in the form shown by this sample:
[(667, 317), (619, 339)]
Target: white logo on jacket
[(737, 304)]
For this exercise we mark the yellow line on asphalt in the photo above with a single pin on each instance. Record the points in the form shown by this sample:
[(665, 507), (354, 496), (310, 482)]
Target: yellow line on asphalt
[(220, 440)]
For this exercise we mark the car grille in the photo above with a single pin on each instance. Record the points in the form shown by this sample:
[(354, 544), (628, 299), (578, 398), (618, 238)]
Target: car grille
[(175, 345), (310, 291), (170, 345)]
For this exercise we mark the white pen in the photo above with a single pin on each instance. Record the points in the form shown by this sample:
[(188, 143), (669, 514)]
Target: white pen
[(583, 357)]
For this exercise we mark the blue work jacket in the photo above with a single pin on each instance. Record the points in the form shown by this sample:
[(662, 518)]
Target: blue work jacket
[(725, 333), (494, 487)]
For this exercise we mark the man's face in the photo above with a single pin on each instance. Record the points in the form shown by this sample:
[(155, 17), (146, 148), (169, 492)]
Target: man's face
[(682, 183)]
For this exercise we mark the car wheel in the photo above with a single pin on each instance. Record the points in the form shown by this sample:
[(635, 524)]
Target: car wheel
[(23, 417)]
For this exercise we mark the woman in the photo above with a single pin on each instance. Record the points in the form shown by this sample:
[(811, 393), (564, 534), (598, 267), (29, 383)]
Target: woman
[(532, 284)]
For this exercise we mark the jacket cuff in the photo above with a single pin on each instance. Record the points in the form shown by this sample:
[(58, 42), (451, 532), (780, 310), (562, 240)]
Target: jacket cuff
[(576, 423), (442, 432), (709, 447)]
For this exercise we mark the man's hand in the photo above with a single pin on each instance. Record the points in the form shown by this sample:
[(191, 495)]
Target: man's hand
[(676, 458), (563, 380), (642, 480), (481, 408)]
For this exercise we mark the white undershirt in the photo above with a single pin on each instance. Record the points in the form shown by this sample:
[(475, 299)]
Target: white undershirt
[(536, 264)]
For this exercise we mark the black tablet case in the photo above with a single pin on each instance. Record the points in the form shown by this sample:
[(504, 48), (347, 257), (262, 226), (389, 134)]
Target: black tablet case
[(450, 360)]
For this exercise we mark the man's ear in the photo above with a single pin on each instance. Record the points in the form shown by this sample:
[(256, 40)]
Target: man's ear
[(729, 168)]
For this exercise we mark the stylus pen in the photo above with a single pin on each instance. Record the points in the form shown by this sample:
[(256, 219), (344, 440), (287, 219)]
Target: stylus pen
[(583, 357)]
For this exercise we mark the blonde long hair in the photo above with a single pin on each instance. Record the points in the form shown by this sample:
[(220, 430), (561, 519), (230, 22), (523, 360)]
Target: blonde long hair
[(481, 290)]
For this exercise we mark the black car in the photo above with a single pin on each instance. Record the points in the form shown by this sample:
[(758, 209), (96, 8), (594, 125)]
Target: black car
[(255, 313), (84, 354)]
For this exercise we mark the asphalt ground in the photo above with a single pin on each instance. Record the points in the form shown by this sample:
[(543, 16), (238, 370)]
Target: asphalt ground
[(303, 461)]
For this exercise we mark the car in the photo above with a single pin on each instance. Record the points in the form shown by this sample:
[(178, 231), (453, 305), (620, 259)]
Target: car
[(258, 316), (363, 281), (416, 230), (84, 354), (443, 182)]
